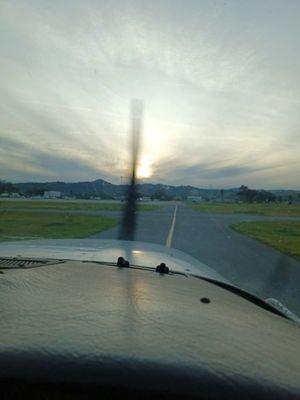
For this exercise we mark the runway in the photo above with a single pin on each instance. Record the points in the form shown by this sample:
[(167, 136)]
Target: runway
[(246, 262)]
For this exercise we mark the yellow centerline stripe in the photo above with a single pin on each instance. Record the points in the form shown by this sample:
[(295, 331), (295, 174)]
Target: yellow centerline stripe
[(171, 231)]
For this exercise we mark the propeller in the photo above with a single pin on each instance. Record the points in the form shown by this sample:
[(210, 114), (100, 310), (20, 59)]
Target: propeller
[(127, 229)]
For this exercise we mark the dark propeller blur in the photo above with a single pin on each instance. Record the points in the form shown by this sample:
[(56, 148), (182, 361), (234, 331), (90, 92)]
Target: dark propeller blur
[(128, 224)]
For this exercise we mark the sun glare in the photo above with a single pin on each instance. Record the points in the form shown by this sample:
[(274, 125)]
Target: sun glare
[(144, 169)]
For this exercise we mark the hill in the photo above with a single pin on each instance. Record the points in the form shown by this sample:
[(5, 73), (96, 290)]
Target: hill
[(107, 190), (102, 188)]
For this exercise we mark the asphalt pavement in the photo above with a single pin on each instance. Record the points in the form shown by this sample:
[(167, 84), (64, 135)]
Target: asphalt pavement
[(246, 262)]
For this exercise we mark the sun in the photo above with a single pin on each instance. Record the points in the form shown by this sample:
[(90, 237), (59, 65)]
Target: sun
[(144, 169)]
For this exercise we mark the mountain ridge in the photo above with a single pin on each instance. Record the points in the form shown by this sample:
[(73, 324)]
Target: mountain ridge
[(104, 189)]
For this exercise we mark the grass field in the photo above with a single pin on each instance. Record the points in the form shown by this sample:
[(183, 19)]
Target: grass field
[(57, 205), (282, 235), (268, 209), (16, 225)]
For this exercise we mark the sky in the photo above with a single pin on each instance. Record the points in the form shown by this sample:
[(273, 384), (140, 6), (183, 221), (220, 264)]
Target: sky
[(219, 80)]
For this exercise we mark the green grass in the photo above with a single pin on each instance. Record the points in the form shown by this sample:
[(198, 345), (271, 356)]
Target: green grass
[(59, 205), (269, 209), (282, 235), (16, 225)]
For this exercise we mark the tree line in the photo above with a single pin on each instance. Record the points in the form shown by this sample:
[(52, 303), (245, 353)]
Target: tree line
[(255, 196), (7, 187)]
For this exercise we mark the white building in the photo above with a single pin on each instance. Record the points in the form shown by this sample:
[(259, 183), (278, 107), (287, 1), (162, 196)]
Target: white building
[(12, 195), (52, 194)]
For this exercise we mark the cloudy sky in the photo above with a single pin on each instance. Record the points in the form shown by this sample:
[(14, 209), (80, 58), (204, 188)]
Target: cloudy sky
[(219, 79)]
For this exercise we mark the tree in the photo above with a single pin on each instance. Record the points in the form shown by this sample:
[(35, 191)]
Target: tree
[(7, 187), (263, 196), (250, 195), (247, 195), (35, 192), (161, 194), (222, 194)]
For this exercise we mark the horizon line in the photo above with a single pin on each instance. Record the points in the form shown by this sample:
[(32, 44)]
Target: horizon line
[(150, 183)]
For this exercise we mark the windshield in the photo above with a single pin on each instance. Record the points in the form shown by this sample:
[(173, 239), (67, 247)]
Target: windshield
[(218, 159)]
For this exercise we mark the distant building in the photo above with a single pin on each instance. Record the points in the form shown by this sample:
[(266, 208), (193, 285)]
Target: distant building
[(13, 195), (52, 194), (195, 199), (146, 198)]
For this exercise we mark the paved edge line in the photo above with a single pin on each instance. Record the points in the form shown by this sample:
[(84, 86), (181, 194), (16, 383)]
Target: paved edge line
[(171, 231)]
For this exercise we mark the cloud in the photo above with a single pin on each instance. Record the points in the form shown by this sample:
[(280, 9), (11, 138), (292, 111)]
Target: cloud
[(219, 80), (40, 164)]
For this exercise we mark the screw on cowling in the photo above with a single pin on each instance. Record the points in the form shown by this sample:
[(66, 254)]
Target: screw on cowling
[(122, 263), (162, 268)]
